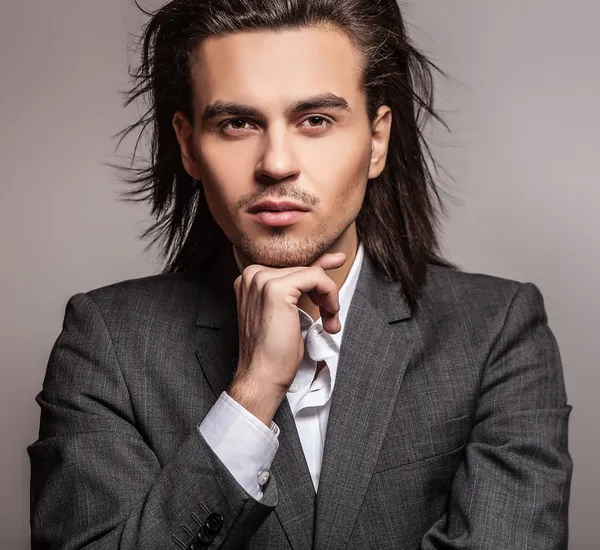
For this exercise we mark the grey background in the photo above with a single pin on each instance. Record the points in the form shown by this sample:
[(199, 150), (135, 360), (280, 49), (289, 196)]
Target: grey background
[(523, 155)]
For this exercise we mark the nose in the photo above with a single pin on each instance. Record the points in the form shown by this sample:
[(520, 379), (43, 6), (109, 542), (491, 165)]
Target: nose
[(277, 161)]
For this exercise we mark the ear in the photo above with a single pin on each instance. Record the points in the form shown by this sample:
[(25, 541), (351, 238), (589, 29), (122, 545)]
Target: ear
[(183, 131), (380, 138)]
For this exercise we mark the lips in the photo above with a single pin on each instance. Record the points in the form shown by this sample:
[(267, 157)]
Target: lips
[(277, 206), (278, 218)]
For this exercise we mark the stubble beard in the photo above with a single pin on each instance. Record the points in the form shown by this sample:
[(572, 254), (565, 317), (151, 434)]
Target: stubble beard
[(280, 250)]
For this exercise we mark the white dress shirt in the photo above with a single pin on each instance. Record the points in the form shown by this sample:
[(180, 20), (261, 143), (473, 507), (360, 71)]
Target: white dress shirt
[(245, 445)]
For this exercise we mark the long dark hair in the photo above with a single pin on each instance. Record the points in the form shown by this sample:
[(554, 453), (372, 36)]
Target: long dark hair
[(400, 214)]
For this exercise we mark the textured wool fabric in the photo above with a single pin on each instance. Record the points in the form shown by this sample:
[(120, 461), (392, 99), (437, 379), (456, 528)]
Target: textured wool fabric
[(447, 428)]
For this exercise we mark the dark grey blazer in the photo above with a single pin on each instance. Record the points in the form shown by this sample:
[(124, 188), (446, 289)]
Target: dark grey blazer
[(447, 430)]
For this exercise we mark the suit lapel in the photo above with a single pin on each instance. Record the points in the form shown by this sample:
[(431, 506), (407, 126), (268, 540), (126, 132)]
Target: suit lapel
[(217, 354), (375, 351), (217, 348), (296, 507)]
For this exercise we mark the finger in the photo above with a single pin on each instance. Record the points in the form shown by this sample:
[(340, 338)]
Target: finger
[(326, 261), (258, 276), (250, 272), (330, 261), (315, 280), (264, 275), (330, 320)]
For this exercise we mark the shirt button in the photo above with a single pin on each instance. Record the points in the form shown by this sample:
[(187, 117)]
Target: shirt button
[(294, 387), (263, 477)]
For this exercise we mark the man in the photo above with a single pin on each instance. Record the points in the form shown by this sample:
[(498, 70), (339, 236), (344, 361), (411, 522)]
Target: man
[(308, 372)]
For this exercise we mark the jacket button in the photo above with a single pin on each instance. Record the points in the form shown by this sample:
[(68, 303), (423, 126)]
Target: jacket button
[(205, 536), (214, 522), (196, 545)]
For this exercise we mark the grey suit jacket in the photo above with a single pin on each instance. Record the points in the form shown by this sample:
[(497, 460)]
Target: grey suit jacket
[(447, 428)]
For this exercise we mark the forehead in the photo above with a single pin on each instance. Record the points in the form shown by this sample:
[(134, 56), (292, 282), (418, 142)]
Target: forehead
[(275, 68)]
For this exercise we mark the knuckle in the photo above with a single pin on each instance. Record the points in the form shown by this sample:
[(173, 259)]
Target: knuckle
[(250, 274), (260, 279), (319, 270), (246, 277), (269, 286)]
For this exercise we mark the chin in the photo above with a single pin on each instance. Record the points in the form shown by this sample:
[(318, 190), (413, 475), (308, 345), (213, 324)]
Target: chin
[(280, 251)]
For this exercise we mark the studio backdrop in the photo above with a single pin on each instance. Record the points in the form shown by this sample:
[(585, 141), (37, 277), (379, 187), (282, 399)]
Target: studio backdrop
[(520, 166)]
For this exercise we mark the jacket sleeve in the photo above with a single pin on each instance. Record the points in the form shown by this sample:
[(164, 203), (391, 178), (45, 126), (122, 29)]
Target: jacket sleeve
[(243, 443), (95, 483), (511, 490)]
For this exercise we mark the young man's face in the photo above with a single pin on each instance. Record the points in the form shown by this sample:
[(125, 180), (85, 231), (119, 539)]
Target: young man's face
[(282, 116)]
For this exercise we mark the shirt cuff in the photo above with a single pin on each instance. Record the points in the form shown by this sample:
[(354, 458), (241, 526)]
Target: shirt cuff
[(244, 444)]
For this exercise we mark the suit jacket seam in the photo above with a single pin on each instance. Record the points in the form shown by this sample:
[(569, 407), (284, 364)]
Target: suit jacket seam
[(112, 345), (497, 337)]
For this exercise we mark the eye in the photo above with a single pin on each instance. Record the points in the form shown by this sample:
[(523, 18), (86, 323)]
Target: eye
[(234, 124), (317, 121)]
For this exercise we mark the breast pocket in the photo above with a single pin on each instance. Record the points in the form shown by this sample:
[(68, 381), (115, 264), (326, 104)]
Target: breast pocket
[(409, 498), (423, 440)]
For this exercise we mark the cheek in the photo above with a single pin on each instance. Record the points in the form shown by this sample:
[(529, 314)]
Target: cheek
[(338, 169), (224, 181)]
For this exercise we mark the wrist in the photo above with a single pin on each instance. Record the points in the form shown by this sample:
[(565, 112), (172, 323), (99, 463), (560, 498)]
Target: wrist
[(256, 399)]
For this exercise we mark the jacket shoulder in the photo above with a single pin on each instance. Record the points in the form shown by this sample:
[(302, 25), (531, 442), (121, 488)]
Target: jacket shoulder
[(454, 293), (448, 283), (169, 293)]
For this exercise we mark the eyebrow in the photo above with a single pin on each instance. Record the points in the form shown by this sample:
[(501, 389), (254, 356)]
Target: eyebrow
[(230, 108)]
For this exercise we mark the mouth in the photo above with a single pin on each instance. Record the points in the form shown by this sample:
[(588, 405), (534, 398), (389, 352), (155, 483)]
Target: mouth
[(277, 215), (278, 218), (277, 206)]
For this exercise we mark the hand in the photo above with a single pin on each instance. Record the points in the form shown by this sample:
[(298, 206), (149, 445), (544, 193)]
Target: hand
[(271, 343)]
